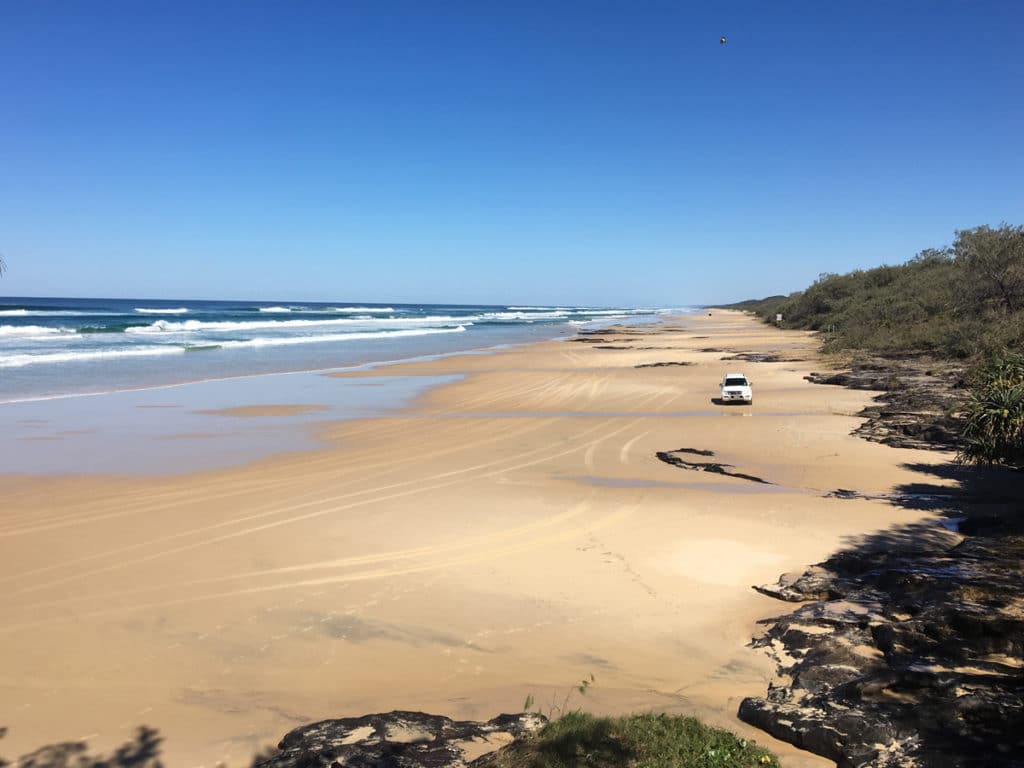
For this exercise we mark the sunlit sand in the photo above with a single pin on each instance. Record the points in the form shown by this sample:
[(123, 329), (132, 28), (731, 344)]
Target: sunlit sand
[(508, 534)]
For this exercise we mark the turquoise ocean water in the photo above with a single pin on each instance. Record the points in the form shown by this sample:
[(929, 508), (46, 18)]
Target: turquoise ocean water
[(135, 386), (53, 347)]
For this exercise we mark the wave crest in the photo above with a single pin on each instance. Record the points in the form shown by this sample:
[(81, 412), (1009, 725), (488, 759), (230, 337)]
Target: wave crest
[(14, 331)]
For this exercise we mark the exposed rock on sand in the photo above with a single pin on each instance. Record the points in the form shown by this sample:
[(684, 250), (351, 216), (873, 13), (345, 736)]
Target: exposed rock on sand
[(673, 458), (660, 365), (398, 740), (762, 357), (911, 654), (917, 409)]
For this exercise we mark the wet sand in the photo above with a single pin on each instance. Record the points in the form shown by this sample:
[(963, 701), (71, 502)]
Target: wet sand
[(259, 411), (508, 534)]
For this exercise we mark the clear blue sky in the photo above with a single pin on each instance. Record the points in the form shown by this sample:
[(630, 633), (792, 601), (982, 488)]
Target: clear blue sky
[(588, 152)]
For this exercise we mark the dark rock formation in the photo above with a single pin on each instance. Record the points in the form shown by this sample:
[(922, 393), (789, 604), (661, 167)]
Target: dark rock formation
[(919, 405), (658, 365), (911, 652), (672, 457), (608, 346), (398, 740), (762, 357), (142, 751)]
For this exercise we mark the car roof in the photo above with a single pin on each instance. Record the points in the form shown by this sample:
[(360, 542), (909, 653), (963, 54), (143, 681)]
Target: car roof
[(735, 375)]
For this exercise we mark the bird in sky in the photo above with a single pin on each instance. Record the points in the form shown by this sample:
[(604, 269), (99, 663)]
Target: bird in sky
[(721, 40)]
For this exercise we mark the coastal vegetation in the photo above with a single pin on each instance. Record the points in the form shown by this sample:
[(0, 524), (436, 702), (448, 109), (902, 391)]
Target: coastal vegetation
[(578, 739), (963, 302), (993, 425)]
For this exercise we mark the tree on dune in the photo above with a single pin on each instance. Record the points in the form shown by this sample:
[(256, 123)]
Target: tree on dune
[(992, 261)]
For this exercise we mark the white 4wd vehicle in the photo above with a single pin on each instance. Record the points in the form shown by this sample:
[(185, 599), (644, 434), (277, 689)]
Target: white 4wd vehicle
[(736, 388)]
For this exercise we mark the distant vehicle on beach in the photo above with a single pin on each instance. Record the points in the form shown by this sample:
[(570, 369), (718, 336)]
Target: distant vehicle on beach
[(737, 388)]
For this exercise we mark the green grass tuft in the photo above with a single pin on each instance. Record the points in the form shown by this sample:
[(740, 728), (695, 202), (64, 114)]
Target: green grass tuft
[(578, 739)]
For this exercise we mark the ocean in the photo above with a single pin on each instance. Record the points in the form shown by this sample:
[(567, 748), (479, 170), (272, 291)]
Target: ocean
[(53, 347)]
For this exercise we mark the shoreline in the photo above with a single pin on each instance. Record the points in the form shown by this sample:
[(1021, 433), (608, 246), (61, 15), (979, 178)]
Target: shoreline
[(369, 366), (453, 565), (103, 346)]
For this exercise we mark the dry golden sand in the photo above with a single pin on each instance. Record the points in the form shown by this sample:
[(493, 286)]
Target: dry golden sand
[(509, 534)]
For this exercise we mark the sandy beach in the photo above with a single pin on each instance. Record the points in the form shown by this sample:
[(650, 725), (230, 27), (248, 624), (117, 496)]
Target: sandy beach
[(508, 534)]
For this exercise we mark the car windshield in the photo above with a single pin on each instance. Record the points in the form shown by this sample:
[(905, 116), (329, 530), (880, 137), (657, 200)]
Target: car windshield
[(735, 381)]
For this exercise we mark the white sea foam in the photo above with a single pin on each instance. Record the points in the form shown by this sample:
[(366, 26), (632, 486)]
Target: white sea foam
[(19, 361), (358, 336), (276, 309), (54, 313), (194, 326), (530, 309), (365, 310), (29, 331), (158, 311), (553, 315), (603, 312)]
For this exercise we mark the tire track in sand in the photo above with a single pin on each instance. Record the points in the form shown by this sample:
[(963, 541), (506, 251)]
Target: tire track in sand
[(420, 487), (621, 513)]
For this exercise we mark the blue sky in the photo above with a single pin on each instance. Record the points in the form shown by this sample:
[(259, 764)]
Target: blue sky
[(541, 152)]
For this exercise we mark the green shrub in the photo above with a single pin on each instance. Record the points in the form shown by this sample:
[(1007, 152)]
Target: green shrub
[(958, 302), (578, 739), (993, 430)]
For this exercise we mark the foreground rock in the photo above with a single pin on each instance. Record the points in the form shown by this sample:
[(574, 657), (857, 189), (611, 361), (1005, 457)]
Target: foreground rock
[(911, 653), (398, 740)]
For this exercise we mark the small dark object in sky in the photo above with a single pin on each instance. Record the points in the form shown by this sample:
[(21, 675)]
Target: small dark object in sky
[(721, 40)]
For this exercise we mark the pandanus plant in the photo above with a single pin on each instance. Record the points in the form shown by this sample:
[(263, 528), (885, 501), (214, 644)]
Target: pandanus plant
[(994, 418)]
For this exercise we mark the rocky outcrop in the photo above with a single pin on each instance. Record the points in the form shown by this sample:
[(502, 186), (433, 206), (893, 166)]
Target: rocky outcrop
[(398, 740), (918, 406), (910, 652)]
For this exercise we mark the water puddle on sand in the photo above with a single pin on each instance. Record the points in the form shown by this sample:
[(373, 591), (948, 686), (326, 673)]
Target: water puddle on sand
[(191, 427)]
